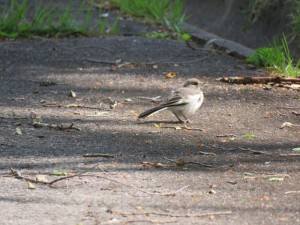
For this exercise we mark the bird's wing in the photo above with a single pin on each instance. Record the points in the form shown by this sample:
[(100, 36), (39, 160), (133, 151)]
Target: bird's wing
[(174, 100)]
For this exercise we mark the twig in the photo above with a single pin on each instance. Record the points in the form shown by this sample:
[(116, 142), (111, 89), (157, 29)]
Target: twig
[(240, 148), (173, 215), (141, 190), (254, 151), (150, 221), (181, 162), (291, 154), (291, 192), (267, 176), (17, 175), (99, 155), (55, 126), (207, 153), (182, 128), (226, 135), (73, 106), (296, 113)]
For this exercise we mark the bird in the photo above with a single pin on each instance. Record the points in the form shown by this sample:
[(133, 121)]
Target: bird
[(182, 102)]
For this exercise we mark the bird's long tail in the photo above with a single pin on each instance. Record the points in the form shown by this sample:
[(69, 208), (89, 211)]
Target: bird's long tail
[(152, 111)]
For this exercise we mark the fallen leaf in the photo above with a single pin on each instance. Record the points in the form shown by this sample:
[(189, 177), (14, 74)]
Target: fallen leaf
[(128, 100), (72, 94), (286, 124), (249, 136), (276, 179), (157, 125), (248, 174), (170, 75), (212, 192), (296, 149), (41, 177), (18, 131), (58, 173), (264, 198), (139, 208), (154, 164), (30, 185)]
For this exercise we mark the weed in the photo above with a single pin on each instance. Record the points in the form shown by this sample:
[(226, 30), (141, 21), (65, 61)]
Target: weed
[(16, 20), (169, 13), (276, 57)]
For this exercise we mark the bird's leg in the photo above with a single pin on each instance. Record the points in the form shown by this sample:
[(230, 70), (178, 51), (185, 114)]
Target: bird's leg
[(187, 120), (180, 120)]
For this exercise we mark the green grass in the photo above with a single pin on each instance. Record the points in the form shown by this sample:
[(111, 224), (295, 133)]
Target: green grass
[(169, 13), (17, 20), (277, 57)]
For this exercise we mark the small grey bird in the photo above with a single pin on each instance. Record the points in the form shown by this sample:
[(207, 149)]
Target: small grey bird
[(182, 102)]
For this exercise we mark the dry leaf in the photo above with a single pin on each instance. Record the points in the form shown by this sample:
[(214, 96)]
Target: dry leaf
[(264, 198), (157, 125), (154, 164), (139, 208), (170, 75), (72, 94), (18, 131), (276, 179), (286, 124), (41, 177), (212, 192), (30, 185)]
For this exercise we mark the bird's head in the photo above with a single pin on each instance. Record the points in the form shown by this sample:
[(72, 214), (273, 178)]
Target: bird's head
[(192, 82)]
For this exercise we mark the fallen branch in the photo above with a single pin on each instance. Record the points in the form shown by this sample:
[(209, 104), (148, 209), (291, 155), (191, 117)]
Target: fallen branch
[(258, 80), (173, 215), (55, 126)]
